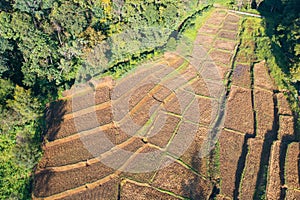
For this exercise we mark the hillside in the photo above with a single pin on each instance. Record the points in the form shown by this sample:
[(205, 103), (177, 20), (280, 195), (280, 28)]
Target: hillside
[(212, 125), (159, 99)]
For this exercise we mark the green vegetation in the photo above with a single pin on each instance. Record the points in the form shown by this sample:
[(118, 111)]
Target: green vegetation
[(214, 163)]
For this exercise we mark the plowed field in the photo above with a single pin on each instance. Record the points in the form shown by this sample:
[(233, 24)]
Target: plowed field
[(175, 130)]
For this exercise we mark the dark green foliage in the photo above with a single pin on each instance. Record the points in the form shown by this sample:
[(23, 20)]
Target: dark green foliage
[(5, 49), (20, 140), (6, 90), (282, 20)]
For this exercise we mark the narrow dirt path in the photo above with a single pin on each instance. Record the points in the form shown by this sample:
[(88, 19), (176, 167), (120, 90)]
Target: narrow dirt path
[(151, 134)]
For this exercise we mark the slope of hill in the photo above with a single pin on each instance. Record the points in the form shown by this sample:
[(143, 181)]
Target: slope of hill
[(214, 125)]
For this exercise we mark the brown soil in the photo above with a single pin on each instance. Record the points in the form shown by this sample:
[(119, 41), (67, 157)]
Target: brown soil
[(133, 191), (174, 61), (225, 45), (206, 107), (172, 105), (216, 21), (205, 40), (221, 56), (182, 181), (192, 155), (222, 197), (251, 169), (264, 107), (178, 102), (65, 180), (231, 145), (239, 111), (87, 99), (232, 18), (223, 71), (209, 30), (292, 195), (183, 138), (160, 136), (199, 87), (161, 93), (218, 13), (286, 127), (283, 105), (262, 78), (291, 166), (75, 150), (230, 26), (145, 177), (56, 155), (107, 190), (142, 113), (241, 76), (227, 35), (274, 184), (139, 93), (79, 124), (189, 73)]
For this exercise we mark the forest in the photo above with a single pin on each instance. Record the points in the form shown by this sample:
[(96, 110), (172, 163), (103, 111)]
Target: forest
[(47, 45)]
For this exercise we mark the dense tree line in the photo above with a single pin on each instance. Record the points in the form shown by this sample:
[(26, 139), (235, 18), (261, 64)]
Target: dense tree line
[(283, 26)]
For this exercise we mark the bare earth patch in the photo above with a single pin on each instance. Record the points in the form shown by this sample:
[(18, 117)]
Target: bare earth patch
[(205, 40), (225, 44), (283, 105), (239, 113), (192, 155), (293, 194), (209, 30), (264, 106), (286, 128), (199, 87), (274, 184), (232, 18), (291, 166), (231, 145), (241, 76), (160, 136), (131, 191), (252, 164), (227, 35), (182, 181), (65, 180), (107, 190), (216, 21), (221, 56), (262, 78), (230, 26)]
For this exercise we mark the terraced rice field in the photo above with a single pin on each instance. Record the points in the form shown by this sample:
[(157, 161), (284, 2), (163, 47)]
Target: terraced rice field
[(147, 135)]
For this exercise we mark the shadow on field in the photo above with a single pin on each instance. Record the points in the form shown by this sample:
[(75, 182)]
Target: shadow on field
[(194, 188), (54, 116), (41, 188)]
